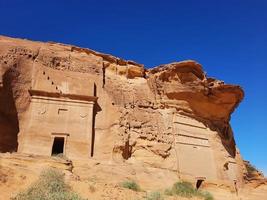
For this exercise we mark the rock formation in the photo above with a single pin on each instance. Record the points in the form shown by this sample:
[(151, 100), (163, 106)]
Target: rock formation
[(57, 98)]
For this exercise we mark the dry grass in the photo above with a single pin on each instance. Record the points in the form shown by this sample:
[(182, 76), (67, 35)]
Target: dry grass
[(131, 185), (49, 186), (186, 189)]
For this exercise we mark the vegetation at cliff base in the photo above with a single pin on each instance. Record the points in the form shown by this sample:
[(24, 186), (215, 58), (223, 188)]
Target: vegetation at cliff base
[(50, 186), (186, 189), (155, 196), (132, 185)]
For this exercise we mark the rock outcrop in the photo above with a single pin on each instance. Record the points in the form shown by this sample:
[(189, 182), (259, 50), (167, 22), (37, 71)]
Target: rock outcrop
[(171, 117)]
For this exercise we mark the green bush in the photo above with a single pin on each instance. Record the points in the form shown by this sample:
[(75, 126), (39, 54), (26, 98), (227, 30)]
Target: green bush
[(186, 189), (206, 195), (49, 186), (131, 185), (168, 192), (155, 196)]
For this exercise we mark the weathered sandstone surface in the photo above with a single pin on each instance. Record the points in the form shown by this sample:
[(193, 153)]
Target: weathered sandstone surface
[(116, 119)]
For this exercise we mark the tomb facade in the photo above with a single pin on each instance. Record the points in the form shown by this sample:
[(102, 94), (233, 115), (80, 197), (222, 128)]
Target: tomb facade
[(59, 119), (55, 116)]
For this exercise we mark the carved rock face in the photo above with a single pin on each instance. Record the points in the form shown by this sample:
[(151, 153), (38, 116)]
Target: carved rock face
[(143, 115)]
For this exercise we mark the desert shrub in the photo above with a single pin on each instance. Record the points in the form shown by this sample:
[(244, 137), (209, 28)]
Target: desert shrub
[(168, 192), (206, 195), (155, 196), (49, 186), (186, 189), (131, 185)]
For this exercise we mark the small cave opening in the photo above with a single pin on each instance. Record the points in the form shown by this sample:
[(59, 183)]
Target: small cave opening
[(58, 146), (127, 150), (199, 183), (9, 123), (226, 166)]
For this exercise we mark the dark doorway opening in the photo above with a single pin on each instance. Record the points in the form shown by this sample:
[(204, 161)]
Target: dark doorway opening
[(58, 146), (198, 183), (127, 151)]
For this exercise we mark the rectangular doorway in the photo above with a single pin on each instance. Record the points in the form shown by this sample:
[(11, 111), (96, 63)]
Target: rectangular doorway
[(58, 146)]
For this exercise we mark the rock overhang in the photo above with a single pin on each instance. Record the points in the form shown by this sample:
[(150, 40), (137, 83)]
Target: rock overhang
[(187, 77), (207, 98)]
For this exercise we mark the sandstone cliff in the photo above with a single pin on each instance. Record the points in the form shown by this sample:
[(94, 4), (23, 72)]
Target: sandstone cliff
[(181, 87), (171, 117)]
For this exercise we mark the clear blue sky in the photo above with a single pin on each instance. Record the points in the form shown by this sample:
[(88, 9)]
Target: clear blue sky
[(228, 37)]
